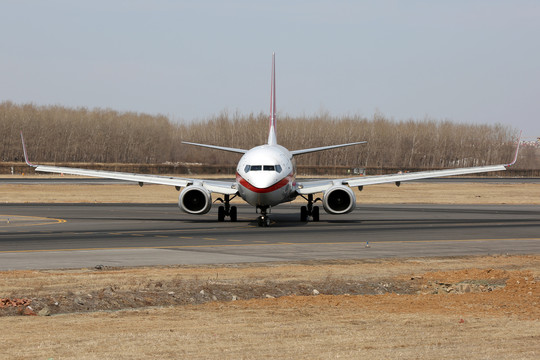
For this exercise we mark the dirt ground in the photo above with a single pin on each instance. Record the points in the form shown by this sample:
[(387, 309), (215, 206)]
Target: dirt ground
[(466, 307)]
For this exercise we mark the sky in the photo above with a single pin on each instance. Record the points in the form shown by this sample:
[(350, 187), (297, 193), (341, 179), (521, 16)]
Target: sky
[(465, 61)]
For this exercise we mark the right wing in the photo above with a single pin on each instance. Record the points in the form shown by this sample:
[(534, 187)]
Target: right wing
[(217, 186)]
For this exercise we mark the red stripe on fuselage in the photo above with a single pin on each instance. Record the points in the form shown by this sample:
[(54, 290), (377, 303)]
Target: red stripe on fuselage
[(271, 188)]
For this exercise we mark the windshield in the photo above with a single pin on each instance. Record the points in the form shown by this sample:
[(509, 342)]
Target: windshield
[(249, 168)]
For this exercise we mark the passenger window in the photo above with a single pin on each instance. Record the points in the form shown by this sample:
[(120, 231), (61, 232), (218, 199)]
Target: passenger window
[(278, 168), (268, 168), (256, 167), (246, 169)]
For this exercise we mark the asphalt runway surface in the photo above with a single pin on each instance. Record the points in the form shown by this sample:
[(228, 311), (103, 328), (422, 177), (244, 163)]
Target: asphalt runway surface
[(47, 236)]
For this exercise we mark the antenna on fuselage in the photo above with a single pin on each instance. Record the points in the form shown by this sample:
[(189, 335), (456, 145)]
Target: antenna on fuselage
[(272, 140)]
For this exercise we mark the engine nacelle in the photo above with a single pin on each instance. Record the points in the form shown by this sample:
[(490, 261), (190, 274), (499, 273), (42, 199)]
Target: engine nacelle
[(339, 200), (195, 199)]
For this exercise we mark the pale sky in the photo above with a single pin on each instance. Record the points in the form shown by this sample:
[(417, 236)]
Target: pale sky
[(466, 61)]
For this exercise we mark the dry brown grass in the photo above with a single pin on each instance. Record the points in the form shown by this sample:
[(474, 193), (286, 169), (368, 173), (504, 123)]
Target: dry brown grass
[(502, 324), (408, 193)]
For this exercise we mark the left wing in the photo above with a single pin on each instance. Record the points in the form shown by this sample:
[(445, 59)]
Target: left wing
[(221, 187), (312, 187)]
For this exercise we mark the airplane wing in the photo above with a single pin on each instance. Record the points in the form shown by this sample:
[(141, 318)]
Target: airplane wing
[(312, 187), (217, 186)]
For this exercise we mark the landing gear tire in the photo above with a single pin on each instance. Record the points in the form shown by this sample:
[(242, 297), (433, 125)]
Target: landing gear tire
[(233, 214), (227, 209), (263, 221), (315, 213), (309, 210), (303, 214), (221, 214)]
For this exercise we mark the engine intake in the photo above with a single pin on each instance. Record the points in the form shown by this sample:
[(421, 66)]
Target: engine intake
[(339, 200), (195, 200)]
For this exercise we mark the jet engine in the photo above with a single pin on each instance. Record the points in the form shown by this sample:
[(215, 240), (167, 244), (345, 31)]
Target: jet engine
[(195, 200), (339, 200)]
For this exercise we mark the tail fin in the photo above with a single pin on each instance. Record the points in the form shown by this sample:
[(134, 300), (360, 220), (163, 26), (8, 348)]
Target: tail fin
[(272, 140)]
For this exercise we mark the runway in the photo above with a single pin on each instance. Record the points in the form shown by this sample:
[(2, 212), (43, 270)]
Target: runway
[(41, 236)]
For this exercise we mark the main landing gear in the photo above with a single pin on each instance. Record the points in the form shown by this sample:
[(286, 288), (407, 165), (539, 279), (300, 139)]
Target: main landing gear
[(309, 210), (226, 209), (263, 220)]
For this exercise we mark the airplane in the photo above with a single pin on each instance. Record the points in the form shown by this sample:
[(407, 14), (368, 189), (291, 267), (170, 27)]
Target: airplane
[(266, 177)]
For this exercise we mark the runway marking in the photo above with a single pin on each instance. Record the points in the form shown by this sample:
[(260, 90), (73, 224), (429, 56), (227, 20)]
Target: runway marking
[(44, 220), (212, 239), (275, 244), (186, 237), (160, 236)]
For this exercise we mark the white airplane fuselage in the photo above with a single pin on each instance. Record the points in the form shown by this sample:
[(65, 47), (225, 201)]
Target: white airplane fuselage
[(266, 176)]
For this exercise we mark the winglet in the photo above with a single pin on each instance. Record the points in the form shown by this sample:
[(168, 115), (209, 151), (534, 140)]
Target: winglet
[(25, 153), (517, 150), (272, 140)]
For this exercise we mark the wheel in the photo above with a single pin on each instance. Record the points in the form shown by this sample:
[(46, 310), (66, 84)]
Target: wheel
[(303, 214), (315, 213), (267, 221), (234, 214), (260, 221), (221, 214)]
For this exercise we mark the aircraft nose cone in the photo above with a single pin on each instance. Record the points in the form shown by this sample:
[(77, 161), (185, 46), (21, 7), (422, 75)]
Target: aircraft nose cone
[(261, 181)]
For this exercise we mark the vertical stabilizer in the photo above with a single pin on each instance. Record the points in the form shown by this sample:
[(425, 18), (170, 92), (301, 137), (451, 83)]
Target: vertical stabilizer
[(272, 134)]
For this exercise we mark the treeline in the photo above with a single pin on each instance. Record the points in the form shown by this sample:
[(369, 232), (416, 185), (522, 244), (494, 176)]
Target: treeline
[(60, 134)]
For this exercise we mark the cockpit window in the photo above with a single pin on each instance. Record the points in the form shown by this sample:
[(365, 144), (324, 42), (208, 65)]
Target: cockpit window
[(249, 168)]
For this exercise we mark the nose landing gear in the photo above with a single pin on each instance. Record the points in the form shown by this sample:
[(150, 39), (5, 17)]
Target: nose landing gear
[(263, 220)]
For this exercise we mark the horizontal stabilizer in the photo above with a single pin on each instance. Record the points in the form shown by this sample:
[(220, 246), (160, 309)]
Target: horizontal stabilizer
[(306, 151), (234, 150)]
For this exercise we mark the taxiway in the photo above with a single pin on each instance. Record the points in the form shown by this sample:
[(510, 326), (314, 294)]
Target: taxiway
[(40, 236)]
